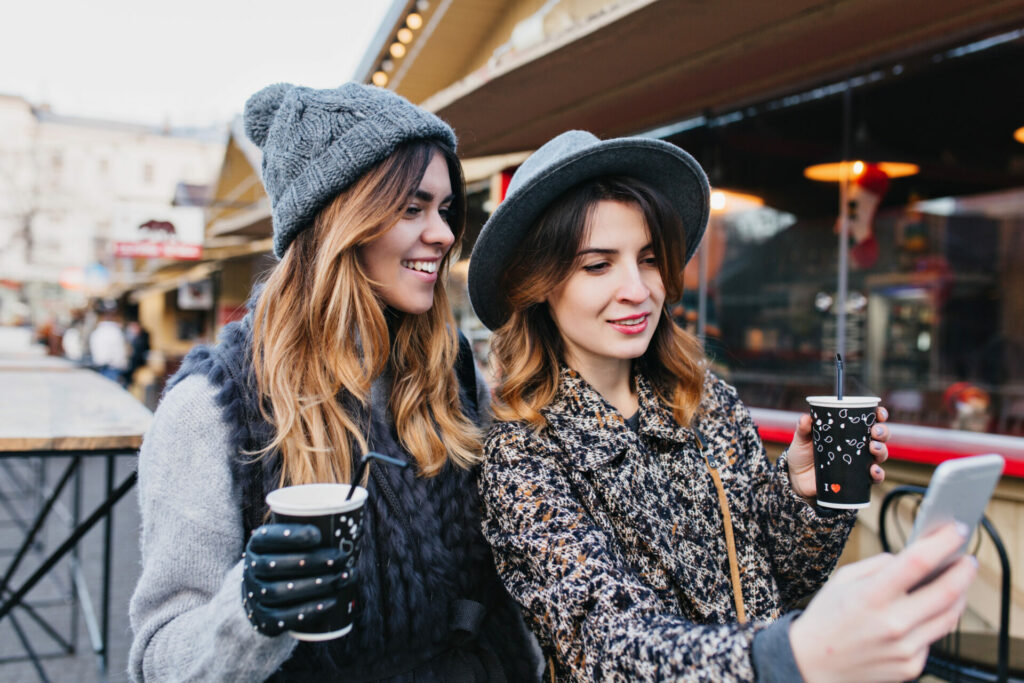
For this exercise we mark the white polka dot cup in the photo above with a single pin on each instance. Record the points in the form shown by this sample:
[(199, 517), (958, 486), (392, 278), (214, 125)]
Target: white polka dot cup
[(841, 435), (340, 522)]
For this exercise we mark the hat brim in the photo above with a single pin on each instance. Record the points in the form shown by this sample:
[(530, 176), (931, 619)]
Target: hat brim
[(668, 169)]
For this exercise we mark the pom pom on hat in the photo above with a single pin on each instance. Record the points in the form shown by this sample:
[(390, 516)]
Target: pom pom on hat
[(261, 109)]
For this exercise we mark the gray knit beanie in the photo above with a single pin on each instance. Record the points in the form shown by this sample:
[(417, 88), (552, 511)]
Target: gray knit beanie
[(318, 142)]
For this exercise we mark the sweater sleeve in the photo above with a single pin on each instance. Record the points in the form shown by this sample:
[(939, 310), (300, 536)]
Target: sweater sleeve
[(803, 541), (592, 612), (186, 612), (773, 654)]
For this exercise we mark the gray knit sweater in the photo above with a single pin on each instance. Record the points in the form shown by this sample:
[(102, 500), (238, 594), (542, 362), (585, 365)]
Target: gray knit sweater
[(186, 612)]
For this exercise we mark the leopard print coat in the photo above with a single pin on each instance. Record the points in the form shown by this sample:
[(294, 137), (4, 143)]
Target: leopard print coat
[(612, 539)]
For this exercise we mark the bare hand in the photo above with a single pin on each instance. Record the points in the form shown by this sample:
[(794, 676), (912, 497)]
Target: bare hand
[(801, 454), (865, 625)]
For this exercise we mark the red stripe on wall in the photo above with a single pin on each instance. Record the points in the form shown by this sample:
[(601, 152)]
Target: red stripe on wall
[(928, 456)]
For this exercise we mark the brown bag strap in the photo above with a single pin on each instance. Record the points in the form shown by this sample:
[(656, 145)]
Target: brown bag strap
[(730, 541)]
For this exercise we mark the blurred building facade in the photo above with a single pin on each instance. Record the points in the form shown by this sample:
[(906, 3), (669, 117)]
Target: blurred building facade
[(69, 187), (183, 303), (758, 93)]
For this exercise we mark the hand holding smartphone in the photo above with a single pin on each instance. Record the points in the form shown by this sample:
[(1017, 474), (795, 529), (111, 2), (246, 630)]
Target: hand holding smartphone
[(959, 491)]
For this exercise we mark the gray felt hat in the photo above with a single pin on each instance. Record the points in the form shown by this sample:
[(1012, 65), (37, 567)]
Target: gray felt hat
[(562, 163), (318, 142)]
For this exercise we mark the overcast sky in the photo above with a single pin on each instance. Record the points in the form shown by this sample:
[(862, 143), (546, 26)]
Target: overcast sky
[(186, 62)]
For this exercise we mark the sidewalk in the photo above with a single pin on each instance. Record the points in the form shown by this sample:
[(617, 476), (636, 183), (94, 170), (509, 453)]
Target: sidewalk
[(82, 666)]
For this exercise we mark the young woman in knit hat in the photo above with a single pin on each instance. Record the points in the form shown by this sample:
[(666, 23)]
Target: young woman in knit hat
[(628, 499), (349, 346)]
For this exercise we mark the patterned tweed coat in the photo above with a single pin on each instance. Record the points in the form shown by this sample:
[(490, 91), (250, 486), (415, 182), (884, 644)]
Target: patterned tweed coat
[(612, 540)]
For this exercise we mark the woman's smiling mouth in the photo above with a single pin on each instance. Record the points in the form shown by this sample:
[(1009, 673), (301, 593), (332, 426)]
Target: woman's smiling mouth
[(421, 266), (631, 324)]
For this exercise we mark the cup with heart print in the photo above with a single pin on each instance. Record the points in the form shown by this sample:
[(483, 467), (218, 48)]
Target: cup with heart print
[(841, 435)]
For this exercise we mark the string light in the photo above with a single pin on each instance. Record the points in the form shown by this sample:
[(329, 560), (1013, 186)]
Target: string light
[(398, 49)]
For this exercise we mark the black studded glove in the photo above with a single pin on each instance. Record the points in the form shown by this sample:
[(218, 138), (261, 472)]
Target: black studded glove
[(288, 580)]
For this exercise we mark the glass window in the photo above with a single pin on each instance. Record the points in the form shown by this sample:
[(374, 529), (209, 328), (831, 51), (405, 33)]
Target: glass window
[(935, 303)]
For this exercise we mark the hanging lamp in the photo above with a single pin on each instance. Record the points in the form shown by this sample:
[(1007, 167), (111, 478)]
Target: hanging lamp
[(863, 153)]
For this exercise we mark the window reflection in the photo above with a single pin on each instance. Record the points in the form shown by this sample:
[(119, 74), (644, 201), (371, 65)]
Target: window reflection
[(935, 325)]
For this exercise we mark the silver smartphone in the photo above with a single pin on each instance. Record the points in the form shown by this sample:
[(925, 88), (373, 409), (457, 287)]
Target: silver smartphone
[(959, 491)]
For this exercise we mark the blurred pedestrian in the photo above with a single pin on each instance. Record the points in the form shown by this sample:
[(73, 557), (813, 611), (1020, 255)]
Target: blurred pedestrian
[(73, 340), (138, 344), (108, 347), (48, 334), (349, 346)]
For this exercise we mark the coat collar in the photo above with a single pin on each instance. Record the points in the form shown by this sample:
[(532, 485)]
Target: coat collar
[(592, 432)]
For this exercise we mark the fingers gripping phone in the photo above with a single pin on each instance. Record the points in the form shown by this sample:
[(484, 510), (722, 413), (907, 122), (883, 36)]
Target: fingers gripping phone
[(959, 491)]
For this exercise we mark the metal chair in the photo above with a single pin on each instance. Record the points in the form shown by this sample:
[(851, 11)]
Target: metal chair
[(965, 657)]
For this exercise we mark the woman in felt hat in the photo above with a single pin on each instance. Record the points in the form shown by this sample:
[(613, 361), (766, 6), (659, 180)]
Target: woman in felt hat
[(349, 346), (628, 499)]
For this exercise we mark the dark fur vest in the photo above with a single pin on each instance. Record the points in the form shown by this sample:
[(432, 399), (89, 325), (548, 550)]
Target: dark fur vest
[(430, 604)]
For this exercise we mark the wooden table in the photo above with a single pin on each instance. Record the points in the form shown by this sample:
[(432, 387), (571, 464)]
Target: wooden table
[(67, 409), (71, 413)]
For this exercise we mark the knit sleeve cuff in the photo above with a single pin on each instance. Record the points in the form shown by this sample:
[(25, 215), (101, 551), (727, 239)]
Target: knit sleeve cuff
[(773, 654)]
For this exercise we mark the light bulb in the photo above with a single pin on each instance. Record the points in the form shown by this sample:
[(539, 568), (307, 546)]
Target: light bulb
[(717, 200)]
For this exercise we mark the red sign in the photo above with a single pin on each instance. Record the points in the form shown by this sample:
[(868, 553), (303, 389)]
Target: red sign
[(168, 250), (228, 313)]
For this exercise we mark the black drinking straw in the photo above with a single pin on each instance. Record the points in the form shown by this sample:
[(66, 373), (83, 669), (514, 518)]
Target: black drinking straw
[(364, 461), (839, 377)]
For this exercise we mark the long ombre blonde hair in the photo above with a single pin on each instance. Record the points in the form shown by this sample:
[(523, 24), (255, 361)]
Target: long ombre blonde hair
[(321, 336), (529, 348)]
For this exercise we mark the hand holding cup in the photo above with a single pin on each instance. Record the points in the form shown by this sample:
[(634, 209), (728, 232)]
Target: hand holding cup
[(298, 571), (290, 581), (801, 453)]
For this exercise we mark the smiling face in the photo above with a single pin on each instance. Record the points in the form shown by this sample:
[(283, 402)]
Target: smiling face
[(403, 262), (608, 308)]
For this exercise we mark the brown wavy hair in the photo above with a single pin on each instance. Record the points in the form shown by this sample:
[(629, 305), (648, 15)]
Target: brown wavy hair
[(322, 335), (529, 349)]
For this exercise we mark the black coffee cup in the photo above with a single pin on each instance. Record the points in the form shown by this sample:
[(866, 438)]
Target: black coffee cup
[(340, 522), (841, 434)]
